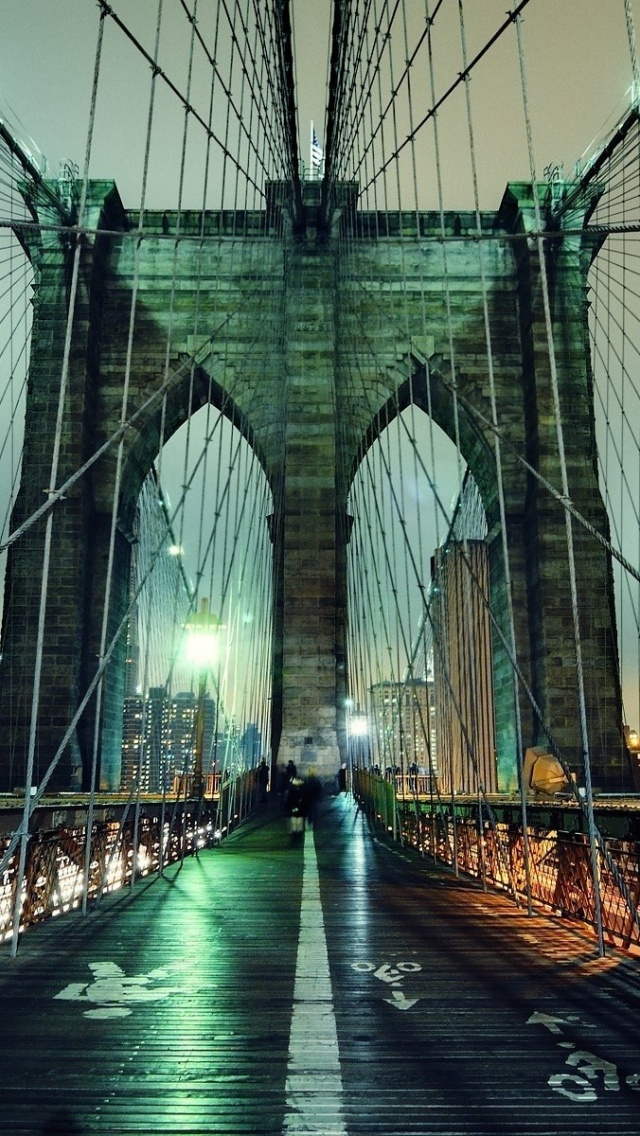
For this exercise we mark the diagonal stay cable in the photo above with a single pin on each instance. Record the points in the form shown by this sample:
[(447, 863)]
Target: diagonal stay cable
[(59, 494), (157, 70), (462, 78), (404, 77)]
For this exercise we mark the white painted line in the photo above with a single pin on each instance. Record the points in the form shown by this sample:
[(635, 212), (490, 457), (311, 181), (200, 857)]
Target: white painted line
[(314, 1080)]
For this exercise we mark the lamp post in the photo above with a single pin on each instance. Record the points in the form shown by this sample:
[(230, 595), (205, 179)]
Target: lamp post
[(359, 728), (202, 651), (358, 737)]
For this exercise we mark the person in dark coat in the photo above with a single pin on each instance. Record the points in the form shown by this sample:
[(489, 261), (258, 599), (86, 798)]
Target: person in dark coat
[(313, 793), (296, 805), (262, 780)]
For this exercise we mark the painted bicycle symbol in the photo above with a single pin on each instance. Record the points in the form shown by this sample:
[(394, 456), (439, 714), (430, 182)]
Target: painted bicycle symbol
[(582, 1084), (112, 993)]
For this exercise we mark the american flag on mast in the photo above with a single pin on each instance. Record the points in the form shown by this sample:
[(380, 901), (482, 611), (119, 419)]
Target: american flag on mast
[(316, 164)]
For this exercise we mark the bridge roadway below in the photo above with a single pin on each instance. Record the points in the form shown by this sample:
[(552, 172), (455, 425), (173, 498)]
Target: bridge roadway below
[(340, 987)]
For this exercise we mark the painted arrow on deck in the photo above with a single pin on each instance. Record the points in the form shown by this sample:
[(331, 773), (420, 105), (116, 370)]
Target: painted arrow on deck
[(553, 1024), (400, 1001)]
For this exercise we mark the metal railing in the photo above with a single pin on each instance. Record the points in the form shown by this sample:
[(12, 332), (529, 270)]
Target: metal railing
[(139, 841), (184, 785), (561, 878)]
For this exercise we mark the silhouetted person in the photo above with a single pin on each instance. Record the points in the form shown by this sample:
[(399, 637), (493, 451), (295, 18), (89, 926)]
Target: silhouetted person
[(296, 805), (313, 793), (262, 780), (342, 778)]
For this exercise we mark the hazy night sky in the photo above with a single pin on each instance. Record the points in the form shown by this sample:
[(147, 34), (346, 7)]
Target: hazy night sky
[(577, 59)]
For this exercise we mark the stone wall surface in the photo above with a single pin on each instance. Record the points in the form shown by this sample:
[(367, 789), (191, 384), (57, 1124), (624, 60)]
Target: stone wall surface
[(311, 344)]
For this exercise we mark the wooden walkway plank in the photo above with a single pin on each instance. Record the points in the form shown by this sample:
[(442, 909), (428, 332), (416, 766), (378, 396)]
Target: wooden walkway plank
[(421, 1006), (457, 1013)]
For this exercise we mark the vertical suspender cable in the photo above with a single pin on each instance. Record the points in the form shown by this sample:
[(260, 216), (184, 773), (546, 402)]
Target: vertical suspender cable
[(499, 478), (453, 368), (565, 493), (145, 684), (52, 483), (118, 472)]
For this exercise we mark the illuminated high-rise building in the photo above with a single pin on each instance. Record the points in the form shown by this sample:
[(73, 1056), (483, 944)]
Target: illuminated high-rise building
[(401, 725), (463, 668)]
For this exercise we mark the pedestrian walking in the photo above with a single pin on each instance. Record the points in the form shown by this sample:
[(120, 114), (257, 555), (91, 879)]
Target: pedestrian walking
[(262, 780), (296, 806), (313, 793)]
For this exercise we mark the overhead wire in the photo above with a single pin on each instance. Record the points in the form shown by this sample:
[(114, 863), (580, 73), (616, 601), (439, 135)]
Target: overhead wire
[(47, 544)]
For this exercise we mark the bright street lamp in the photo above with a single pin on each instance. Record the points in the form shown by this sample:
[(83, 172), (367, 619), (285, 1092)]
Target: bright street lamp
[(201, 650), (358, 730), (358, 725)]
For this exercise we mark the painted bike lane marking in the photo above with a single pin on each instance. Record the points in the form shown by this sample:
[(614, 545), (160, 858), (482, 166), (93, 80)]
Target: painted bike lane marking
[(393, 975), (591, 1071), (113, 993)]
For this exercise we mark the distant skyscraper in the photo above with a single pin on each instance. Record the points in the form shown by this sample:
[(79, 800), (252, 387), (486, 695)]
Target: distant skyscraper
[(463, 668), (158, 738), (401, 725), (156, 750), (132, 665), (143, 749), (133, 738), (251, 745), (180, 733)]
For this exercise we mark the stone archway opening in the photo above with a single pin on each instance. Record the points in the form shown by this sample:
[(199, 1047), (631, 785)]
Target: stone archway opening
[(216, 502), (402, 502)]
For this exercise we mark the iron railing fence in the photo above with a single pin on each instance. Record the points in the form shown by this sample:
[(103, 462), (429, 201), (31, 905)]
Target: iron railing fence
[(143, 840), (560, 872)]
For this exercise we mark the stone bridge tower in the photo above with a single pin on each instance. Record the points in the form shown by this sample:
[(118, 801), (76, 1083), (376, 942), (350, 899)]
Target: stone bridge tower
[(287, 397)]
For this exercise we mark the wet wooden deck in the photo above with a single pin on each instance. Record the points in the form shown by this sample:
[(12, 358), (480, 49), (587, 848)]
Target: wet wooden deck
[(334, 988)]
